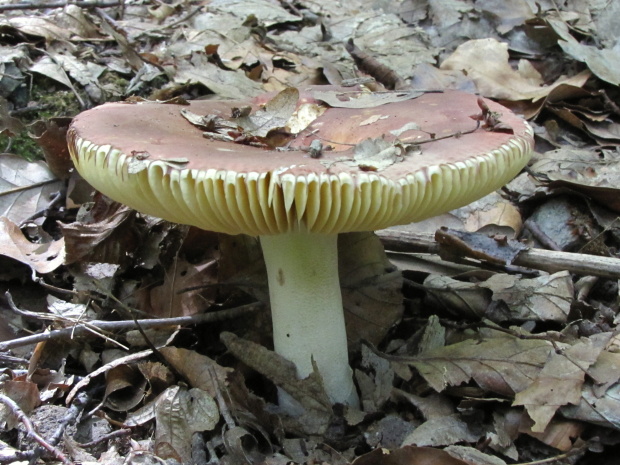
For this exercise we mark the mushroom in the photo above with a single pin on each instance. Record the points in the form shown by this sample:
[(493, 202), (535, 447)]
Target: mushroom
[(389, 164)]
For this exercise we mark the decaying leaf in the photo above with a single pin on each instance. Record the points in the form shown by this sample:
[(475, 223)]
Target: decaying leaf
[(559, 383), (588, 171), (179, 413), (486, 62), (504, 365), (25, 187), (547, 298), (42, 258), (274, 115), (308, 392), (441, 431), (359, 99), (371, 288)]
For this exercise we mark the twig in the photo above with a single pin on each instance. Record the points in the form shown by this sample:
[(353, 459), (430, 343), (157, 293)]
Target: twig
[(540, 235), (539, 259), (125, 325), (565, 455), (54, 205), (105, 368), (30, 429), (106, 437), (44, 6), (29, 186), (174, 23), (70, 417)]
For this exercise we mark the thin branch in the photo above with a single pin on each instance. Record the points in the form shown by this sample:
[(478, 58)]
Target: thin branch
[(126, 325), (31, 431), (73, 412), (44, 6), (547, 260)]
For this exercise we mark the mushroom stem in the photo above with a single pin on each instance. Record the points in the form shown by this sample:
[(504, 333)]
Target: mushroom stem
[(306, 309)]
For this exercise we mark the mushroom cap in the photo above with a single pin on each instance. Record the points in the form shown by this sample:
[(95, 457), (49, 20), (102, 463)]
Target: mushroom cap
[(148, 156)]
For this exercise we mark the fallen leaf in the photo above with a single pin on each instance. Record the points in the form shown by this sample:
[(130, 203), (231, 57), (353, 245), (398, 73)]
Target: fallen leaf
[(559, 383), (25, 187), (179, 413), (42, 258), (603, 62), (359, 99), (441, 431), (486, 62), (371, 288), (308, 392), (274, 115)]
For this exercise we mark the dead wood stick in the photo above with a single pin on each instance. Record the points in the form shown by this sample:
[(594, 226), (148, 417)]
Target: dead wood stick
[(125, 325), (540, 259), (43, 5), (30, 429)]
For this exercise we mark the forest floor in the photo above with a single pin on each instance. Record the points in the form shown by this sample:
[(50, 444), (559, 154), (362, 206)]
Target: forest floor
[(463, 353)]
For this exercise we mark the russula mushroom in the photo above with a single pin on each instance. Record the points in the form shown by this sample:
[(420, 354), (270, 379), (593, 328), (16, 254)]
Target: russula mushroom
[(425, 156)]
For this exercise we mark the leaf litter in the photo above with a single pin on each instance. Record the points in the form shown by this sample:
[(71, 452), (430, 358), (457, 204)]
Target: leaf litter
[(511, 363)]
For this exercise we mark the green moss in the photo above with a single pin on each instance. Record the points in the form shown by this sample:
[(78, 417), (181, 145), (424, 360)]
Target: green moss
[(22, 145), (55, 103)]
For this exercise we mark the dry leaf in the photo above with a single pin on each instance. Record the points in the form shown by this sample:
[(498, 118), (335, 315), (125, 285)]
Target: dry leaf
[(274, 115), (42, 258), (371, 288), (441, 431), (25, 187), (486, 62), (559, 383), (309, 392), (179, 413), (358, 99)]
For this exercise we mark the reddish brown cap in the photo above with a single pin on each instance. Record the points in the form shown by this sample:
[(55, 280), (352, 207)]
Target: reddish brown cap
[(425, 156)]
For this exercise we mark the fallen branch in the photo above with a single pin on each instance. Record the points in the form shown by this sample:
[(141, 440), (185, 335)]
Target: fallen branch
[(30, 429), (44, 6), (126, 325), (70, 418), (539, 259)]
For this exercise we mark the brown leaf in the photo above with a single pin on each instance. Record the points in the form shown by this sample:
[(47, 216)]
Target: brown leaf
[(182, 292), (486, 62), (42, 258), (504, 365), (26, 188), (274, 115), (98, 237), (179, 413), (200, 371), (559, 383), (371, 287), (358, 99)]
